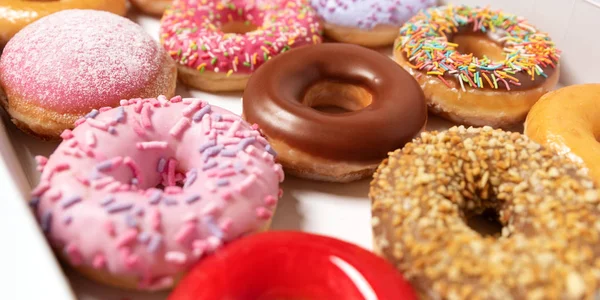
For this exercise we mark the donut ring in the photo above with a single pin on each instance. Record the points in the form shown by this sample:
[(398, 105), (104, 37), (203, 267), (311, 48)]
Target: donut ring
[(548, 246), (509, 64), (567, 121), (98, 204), (292, 265), (16, 14), (98, 58), (152, 7), (219, 46), (385, 104), (369, 23)]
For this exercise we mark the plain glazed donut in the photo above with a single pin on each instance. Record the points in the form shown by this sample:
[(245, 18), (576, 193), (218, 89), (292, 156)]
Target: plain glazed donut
[(16, 14), (135, 195), (97, 58), (477, 66), (219, 46), (568, 122), (370, 23), (384, 107), (152, 7), (548, 246), (292, 265)]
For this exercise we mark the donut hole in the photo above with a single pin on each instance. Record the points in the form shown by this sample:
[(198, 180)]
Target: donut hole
[(336, 97), (238, 27), (479, 44), (485, 222)]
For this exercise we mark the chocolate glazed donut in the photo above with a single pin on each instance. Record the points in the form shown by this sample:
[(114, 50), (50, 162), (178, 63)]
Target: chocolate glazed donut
[(384, 108)]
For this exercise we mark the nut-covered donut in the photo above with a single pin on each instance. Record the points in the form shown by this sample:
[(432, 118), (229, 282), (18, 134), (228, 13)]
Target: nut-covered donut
[(548, 247)]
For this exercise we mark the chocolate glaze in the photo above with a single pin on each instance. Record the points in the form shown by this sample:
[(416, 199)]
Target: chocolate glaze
[(396, 114), (524, 79)]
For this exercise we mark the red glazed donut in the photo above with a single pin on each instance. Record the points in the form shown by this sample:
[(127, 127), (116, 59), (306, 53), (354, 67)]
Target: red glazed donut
[(292, 265)]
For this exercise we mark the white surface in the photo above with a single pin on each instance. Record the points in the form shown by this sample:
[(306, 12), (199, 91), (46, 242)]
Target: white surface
[(29, 271)]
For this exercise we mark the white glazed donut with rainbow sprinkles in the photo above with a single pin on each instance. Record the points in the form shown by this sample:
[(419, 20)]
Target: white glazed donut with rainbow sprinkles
[(135, 195)]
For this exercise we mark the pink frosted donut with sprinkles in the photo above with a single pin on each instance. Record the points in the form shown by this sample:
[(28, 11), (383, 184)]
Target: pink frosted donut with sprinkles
[(218, 44), (478, 66), (135, 195), (370, 23)]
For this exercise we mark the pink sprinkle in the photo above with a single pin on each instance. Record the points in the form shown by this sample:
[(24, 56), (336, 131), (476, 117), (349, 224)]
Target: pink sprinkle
[(41, 189), (99, 261), (97, 124), (185, 233), (123, 103), (54, 194), (234, 128), (163, 101), (176, 99), (227, 173), (113, 187), (152, 145), (210, 187), (227, 196), (226, 225), (219, 125), (66, 134), (213, 243), (211, 210), (90, 139), (173, 190), (137, 128), (262, 140), (127, 238), (155, 219), (41, 160), (88, 151), (251, 150), (135, 169), (82, 179), (270, 201), (179, 127), (279, 170), (134, 101), (137, 107), (254, 126), (103, 109), (101, 183), (171, 172), (206, 122), (246, 183), (187, 100), (263, 213), (74, 255), (79, 121), (280, 193), (190, 217), (109, 227), (176, 257), (229, 140), (190, 109), (72, 143), (146, 118), (131, 261), (230, 118)]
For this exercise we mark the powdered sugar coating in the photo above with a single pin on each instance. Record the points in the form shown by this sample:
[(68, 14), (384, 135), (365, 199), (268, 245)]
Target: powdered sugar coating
[(76, 60), (98, 199), (366, 14)]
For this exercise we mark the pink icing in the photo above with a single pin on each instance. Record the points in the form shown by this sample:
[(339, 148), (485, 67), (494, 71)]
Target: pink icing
[(76, 60), (98, 198), (190, 31)]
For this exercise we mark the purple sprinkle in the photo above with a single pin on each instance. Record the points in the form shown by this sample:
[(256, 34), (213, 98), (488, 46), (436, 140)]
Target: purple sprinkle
[(154, 243), (161, 165), (229, 152), (191, 177), (130, 220), (94, 175), (112, 130), (120, 114), (34, 202), (107, 200), (138, 211), (199, 114), (224, 165), (143, 237), (118, 207), (239, 167), (134, 181), (207, 145), (209, 165), (212, 151), (67, 220), (270, 150), (105, 165), (92, 114), (222, 182), (192, 198), (245, 143), (46, 221), (170, 201), (155, 197), (216, 117), (69, 201), (214, 229)]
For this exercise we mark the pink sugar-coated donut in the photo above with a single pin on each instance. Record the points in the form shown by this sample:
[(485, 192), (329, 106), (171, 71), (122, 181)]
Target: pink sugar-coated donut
[(201, 36), (64, 65), (135, 195)]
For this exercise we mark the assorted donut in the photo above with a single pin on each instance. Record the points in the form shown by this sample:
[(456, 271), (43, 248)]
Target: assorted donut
[(150, 191)]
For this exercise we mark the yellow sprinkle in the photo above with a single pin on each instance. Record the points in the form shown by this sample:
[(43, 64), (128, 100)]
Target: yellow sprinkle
[(434, 73), (229, 73), (201, 66)]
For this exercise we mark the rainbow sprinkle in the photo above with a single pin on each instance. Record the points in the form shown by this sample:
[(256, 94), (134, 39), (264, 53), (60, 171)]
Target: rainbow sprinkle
[(424, 41), (191, 32)]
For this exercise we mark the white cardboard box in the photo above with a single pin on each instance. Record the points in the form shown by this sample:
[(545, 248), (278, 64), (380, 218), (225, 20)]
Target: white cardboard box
[(28, 269)]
